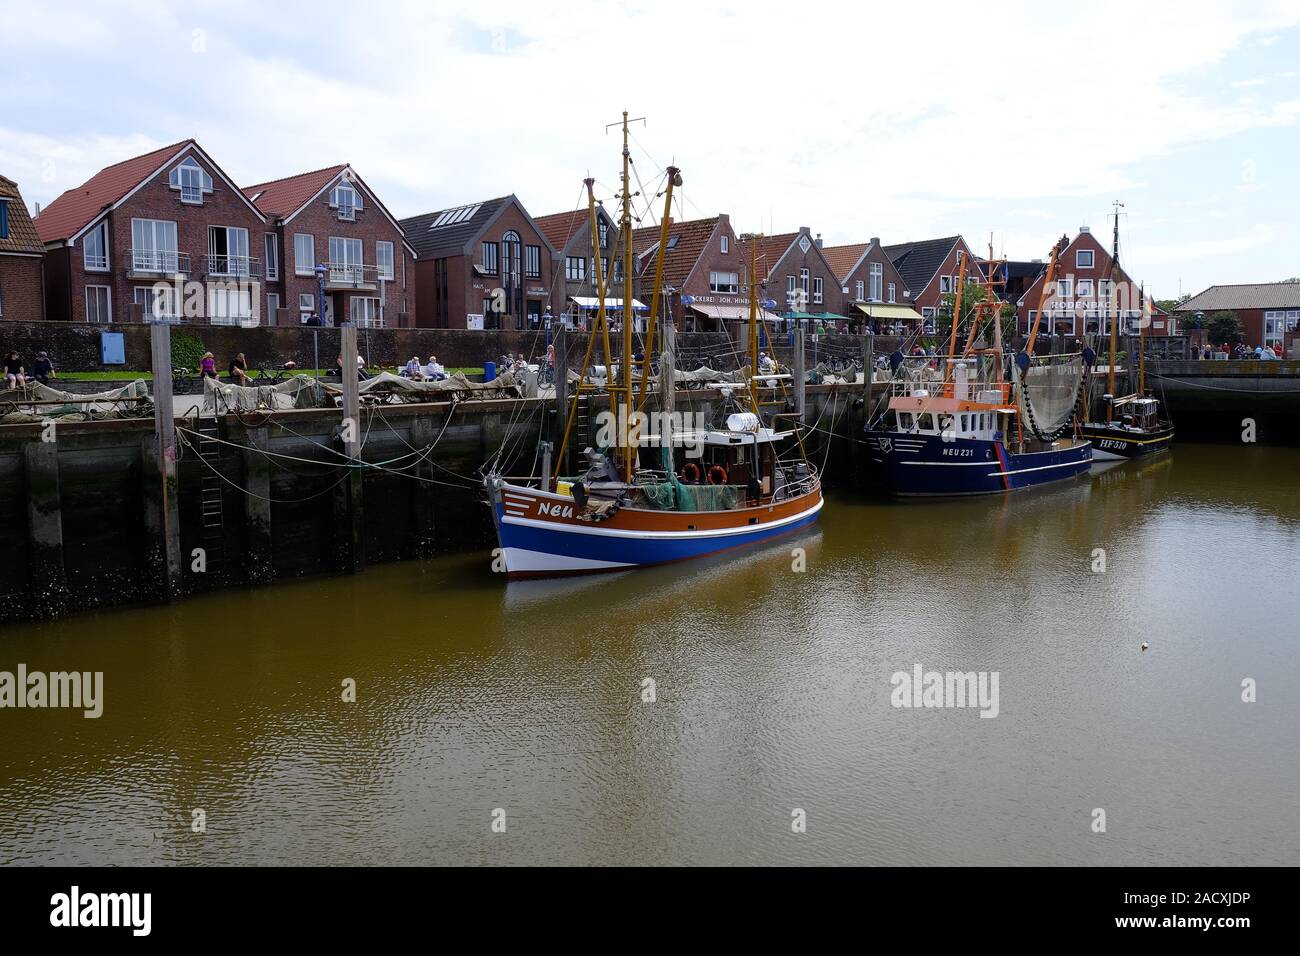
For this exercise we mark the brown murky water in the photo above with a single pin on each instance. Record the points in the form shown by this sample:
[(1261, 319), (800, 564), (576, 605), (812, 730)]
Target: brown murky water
[(773, 693)]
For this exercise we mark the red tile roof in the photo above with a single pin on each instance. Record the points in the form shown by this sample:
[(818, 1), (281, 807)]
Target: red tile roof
[(22, 236), (66, 216), (842, 259), (680, 259), (560, 227), (770, 251), (283, 197)]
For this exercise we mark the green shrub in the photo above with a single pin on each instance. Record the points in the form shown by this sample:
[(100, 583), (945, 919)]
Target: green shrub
[(187, 350)]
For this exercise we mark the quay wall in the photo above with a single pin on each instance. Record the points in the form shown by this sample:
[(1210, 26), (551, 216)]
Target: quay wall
[(267, 498)]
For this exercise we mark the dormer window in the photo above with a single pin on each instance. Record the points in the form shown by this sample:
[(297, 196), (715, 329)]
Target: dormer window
[(346, 200), (191, 180)]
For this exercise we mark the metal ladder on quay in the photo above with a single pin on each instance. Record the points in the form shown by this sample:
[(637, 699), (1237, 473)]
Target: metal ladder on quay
[(211, 491)]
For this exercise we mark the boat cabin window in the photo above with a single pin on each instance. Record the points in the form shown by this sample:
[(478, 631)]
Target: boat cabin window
[(905, 421)]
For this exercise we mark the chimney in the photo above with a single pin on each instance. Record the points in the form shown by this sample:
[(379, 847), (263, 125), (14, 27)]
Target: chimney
[(38, 211), (1084, 229), (819, 240), (875, 240)]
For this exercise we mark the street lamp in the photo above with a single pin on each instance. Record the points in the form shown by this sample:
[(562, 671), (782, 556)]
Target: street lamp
[(320, 318)]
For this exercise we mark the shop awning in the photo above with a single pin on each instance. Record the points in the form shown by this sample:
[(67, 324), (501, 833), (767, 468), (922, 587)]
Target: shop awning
[(824, 316), (892, 313), (591, 303), (731, 312)]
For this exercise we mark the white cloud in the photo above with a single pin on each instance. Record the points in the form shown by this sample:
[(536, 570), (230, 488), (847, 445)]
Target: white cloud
[(890, 122)]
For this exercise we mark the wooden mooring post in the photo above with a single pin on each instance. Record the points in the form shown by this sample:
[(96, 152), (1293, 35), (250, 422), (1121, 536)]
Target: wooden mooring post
[(348, 504), (799, 373), (168, 519)]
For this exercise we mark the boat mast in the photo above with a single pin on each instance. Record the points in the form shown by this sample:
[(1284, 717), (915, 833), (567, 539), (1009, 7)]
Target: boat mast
[(1114, 322), (674, 179), (1142, 333), (753, 326)]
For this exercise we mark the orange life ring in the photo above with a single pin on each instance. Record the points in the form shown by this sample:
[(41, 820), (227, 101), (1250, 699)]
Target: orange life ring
[(717, 471), (690, 472)]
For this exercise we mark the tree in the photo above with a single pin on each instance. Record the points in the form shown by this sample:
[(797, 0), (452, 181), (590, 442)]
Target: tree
[(1224, 326), (972, 294)]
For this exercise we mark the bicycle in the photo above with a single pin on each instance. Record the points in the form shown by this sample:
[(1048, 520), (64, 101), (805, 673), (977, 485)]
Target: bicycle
[(182, 381)]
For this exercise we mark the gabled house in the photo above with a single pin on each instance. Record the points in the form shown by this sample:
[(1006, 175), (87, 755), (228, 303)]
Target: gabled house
[(483, 265), (22, 256), (798, 277), (1089, 286), (165, 235), (330, 219), (929, 270), (705, 276), (570, 234), (877, 292)]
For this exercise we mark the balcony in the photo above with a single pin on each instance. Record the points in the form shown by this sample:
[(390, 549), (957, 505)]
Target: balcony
[(233, 267), (352, 276), (157, 263)]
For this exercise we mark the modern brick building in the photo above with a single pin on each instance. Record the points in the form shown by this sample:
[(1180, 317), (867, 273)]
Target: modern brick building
[(1269, 311), (798, 277), (483, 265), (929, 270), (166, 233), (330, 218), (1089, 286), (877, 292), (22, 256)]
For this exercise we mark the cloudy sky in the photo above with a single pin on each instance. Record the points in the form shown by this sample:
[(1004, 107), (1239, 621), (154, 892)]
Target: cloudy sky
[(905, 121)]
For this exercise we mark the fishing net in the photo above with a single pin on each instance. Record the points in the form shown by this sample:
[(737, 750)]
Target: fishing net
[(708, 497), (1047, 392), (297, 392), (51, 403)]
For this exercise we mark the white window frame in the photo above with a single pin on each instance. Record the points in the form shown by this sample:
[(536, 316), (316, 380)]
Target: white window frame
[(893, 292), (945, 285), (724, 283), (370, 320), (1065, 288), (271, 249), (927, 312), (877, 280), (147, 255), (347, 211), (345, 268), (569, 270), (860, 290), (101, 262), (237, 263), (818, 288), (1083, 289), (724, 244), (191, 193), (107, 316), (220, 312), (390, 272), (1079, 258), (157, 293), (803, 283), (298, 268)]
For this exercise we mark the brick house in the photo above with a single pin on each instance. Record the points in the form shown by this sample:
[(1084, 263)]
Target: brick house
[(877, 292), (570, 234), (1269, 311), (1086, 277), (22, 258), (929, 270), (799, 278), (483, 265), (705, 283), (166, 233), (330, 217)]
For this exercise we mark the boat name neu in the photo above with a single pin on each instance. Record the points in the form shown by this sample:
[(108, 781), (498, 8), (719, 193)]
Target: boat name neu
[(71, 689), (948, 689), (661, 426)]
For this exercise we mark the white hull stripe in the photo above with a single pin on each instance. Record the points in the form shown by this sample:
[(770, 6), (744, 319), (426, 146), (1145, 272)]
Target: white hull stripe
[(1022, 471), (661, 535), (521, 560)]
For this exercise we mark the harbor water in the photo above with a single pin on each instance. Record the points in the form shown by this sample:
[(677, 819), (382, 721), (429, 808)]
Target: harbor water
[(737, 709)]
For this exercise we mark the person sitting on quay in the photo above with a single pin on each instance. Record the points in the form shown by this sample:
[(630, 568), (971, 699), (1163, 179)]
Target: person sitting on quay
[(14, 377), (413, 369), (433, 371), (43, 368), (208, 366), (238, 371)]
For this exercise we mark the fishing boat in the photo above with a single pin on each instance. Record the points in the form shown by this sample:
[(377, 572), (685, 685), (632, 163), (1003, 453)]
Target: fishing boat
[(662, 493), (1133, 426), (974, 423)]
